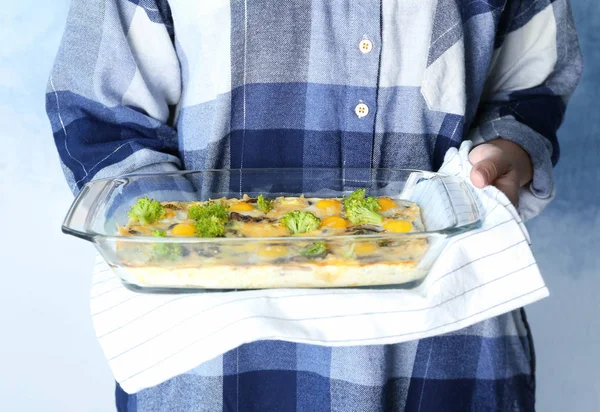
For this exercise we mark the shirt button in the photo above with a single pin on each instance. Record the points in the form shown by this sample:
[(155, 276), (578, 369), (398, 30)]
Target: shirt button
[(361, 110), (365, 46)]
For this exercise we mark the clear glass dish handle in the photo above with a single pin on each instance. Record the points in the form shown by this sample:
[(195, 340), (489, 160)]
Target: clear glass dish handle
[(447, 202), (78, 219)]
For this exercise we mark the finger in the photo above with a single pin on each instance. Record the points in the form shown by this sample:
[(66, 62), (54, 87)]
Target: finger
[(509, 185), (490, 163)]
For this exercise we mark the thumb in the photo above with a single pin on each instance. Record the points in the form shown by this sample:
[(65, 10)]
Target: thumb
[(489, 163)]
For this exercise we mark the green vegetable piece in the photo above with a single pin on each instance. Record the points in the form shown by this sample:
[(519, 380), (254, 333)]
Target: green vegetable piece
[(210, 219), (146, 211), (210, 227), (371, 203), (348, 252), (200, 212), (314, 249), (300, 221), (167, 251), (361, 215), (357, 195), (362, 210), (264, 205)]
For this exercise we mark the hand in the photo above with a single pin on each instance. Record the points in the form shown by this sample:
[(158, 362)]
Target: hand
[(503, 164)]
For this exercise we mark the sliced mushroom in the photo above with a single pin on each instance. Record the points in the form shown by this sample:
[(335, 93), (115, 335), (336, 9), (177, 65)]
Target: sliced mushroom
[(369, 258), (306, 258), (245, 218), (240, 218), (173, 206), (208, 251), (364, 230), (233, 233)]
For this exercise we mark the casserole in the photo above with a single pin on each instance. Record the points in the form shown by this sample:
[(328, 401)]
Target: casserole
[(446, 204)]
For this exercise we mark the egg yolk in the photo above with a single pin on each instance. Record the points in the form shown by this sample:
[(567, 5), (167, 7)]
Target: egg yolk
[(273, 252), (183, 229), (397, 226), (386, 203), (329, 204), (364, 248), (241, 207), (335, 222)]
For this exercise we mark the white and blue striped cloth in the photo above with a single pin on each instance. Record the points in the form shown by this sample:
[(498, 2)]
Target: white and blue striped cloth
[(149, 339)]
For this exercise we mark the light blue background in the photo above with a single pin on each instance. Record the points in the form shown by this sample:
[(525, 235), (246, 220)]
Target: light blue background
[(47, 342)]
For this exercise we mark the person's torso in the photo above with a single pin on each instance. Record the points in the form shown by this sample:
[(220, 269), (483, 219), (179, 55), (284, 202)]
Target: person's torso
[(371, 83), (484, 367), (270, 83)]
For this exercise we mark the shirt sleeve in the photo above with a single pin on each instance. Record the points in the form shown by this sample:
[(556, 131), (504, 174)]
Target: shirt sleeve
[(114, 89), (535, 69)]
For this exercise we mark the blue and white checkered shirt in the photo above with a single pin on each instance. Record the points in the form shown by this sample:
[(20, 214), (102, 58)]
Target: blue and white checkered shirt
[(150, 85)]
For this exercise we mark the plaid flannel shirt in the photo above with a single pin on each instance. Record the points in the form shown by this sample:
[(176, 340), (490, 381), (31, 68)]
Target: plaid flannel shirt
[(151, 85)]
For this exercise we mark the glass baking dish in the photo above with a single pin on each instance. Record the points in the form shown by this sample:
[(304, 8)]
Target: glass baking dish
[(447, 207)]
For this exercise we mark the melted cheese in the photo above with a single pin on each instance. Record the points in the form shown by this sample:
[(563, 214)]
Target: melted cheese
[(282, 205), (259, 229)]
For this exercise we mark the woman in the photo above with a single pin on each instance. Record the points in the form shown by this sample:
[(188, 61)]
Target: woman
[(161, 85)]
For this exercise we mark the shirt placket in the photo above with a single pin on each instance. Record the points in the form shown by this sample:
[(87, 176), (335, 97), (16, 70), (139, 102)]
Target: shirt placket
[(361, 96)]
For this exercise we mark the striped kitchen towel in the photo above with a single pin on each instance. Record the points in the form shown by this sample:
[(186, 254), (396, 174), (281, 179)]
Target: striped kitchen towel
[(149, 339)]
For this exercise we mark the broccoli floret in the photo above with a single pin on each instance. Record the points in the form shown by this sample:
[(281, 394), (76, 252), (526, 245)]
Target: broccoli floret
[(147, 211), (357, 195), (371, 203), (362, 210), (264, 205), (300, 221), (314, 249), (218, 210), (360, 215), (348, 252), (167, 251), (210, 227), (210, 219)]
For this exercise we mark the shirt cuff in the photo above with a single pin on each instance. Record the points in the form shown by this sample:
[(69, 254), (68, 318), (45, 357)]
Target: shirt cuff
[(535, 196)]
